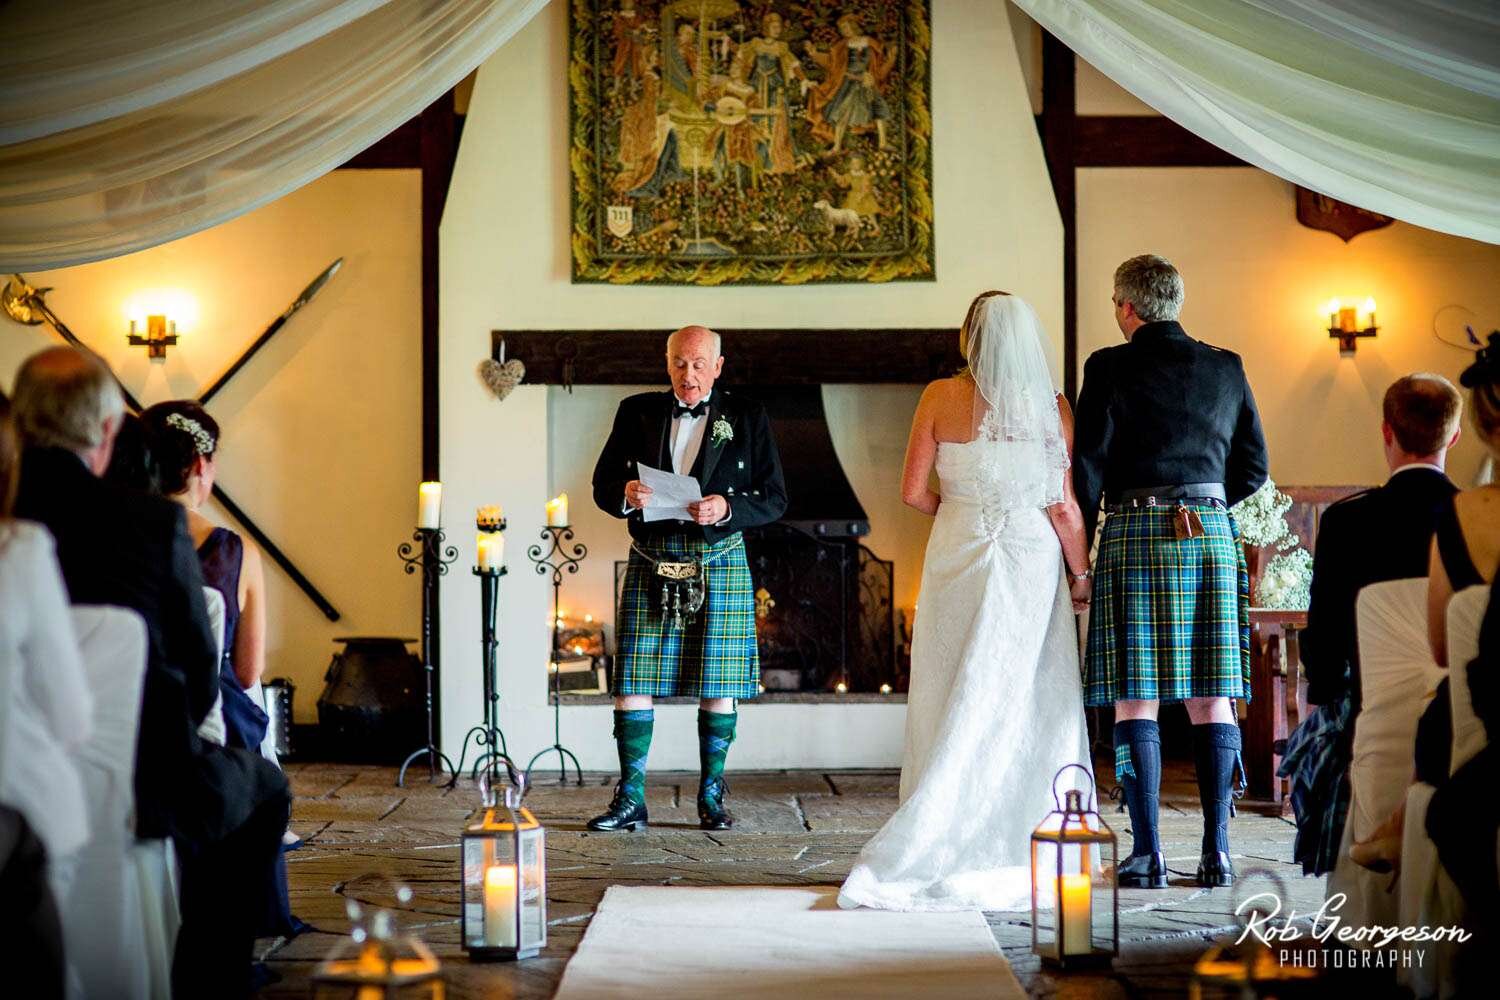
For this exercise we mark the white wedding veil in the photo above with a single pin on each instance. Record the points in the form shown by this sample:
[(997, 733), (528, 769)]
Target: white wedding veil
[(1017, 428)]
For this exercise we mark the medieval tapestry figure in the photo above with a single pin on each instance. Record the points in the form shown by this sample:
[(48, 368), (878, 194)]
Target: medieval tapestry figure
[(750, 141)]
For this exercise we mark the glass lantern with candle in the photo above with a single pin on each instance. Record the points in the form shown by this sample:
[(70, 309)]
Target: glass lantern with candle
[(504, 895), (376, 962), (1073, 859)]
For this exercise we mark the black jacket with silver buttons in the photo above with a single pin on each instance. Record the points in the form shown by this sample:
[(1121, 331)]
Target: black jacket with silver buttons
[(742, 467)]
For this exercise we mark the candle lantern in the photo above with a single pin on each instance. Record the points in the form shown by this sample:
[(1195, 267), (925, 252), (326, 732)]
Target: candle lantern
[(377, 963), (1245, 966), (504, 885), (1073, 859)]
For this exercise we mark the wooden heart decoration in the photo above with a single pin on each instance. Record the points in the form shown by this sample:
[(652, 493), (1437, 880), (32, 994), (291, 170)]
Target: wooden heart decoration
[(501, 377)]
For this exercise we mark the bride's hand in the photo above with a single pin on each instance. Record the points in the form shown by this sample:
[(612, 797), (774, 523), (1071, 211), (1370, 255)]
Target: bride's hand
[(1081, 590)]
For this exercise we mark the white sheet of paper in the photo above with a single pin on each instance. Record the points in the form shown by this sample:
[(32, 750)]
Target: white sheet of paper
[(670, 495)]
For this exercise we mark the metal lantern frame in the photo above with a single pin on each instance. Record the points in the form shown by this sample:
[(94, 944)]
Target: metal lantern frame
[(1070, 824), (490, 825), (377, 962)]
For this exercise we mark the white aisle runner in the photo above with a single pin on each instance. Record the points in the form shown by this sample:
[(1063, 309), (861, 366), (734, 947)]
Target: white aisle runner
[(787, 943)]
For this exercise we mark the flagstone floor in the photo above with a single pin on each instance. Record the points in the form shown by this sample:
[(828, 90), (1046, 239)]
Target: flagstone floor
[(794, 828)]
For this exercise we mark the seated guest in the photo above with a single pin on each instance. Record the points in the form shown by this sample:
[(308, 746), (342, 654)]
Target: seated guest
[(183, 447), (184, 440), (224, 808), (46, 713), (1464, 552), (1420, 423)]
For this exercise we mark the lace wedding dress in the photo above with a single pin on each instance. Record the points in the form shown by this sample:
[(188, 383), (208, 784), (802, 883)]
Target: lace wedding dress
[(996, 703)]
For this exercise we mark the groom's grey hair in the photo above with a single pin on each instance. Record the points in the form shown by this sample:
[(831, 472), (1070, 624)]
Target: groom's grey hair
[(1152, 285)]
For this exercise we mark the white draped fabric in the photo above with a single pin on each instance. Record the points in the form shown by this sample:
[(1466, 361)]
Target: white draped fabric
[(128, 123), (1394, 107)]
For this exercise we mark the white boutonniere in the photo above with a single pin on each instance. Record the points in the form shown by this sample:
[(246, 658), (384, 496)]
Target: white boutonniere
[(722, 432)]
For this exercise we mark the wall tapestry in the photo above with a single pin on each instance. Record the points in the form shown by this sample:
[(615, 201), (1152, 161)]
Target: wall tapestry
[(744, 142)]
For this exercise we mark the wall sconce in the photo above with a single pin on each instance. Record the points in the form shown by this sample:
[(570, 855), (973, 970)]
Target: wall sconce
[(161, 333), (1346, 323)]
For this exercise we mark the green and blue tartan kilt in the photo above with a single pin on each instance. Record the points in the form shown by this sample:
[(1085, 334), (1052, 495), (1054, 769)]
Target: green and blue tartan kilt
[(715, 654), (1170, 618)]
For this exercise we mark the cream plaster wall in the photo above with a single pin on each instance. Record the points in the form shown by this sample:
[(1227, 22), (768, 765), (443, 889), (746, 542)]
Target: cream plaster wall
[(1256, 284), (505, 265), (321, 431)]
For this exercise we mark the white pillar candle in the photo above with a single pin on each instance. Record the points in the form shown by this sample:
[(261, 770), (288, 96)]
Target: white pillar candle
[(1076, 908), (557, 511), (491, 550), (429, 505), (500, 906)]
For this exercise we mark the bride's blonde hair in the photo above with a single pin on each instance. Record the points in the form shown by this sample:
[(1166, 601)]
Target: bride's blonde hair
[(963, 331)]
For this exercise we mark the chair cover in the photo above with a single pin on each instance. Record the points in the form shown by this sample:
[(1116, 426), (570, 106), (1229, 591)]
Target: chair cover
[(120, 916), (1465, 613), (1398, 676), (213, 728)]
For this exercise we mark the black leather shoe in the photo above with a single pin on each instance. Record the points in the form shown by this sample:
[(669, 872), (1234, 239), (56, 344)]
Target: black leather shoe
[(711, 812), (1214, 869), (625, 813), (1142, 871)]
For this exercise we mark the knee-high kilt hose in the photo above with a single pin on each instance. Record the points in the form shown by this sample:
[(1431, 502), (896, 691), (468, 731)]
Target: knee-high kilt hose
[(1170, 618), (714, 655)]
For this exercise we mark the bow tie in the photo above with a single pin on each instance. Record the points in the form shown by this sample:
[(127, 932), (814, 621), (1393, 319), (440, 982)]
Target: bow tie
[(681, 411)]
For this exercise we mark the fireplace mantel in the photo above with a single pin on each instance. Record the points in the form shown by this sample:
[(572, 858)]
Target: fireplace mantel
[(752, 356)]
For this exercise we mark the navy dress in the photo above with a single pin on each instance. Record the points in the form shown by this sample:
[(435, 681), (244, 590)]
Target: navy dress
[(221, 555)]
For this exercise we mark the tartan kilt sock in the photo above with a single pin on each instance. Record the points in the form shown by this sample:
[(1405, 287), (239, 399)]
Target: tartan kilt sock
[(715, 733), (1216, 748), (633, 741), (1138, 769)]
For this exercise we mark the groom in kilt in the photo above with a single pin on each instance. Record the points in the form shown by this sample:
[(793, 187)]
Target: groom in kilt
[(686, 623), (1167, 439)]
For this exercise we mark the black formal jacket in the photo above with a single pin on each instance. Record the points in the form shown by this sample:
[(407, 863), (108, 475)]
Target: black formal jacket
[(1374, 536), (1163, 409), (133, 551), (745, 470)]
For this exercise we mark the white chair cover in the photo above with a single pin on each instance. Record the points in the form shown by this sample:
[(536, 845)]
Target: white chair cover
[(1465, 614), (120, 916), (213, 727), (1426, 900), (1397, 677)]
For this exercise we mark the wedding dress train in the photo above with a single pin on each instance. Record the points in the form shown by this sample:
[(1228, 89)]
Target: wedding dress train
[(995, 706)]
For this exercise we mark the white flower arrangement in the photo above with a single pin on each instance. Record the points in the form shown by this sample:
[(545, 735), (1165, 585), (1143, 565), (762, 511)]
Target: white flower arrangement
[(203, 442), (1262, 518), (1287, 581), (722, 431)]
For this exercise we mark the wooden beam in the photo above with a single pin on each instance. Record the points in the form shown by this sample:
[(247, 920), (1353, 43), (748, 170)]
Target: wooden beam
[(1143, 141), (1058, 123), (752, 357), (401, 149)]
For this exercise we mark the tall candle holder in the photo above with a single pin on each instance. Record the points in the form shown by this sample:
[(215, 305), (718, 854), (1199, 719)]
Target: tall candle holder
[(433, 559), (558, 555), (488, 735)]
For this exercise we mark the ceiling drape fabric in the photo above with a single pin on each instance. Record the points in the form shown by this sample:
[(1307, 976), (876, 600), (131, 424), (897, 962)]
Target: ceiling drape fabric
[(128, 123), (1394, 107)]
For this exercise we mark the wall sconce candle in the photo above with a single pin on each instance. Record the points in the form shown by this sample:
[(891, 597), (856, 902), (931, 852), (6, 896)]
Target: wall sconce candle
[(161, 333), (1347, 323)]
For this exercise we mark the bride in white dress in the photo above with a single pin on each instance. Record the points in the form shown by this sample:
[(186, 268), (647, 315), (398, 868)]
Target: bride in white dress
[(996, 702)]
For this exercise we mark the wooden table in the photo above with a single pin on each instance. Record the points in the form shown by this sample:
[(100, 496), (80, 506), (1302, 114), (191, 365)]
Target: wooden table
[(1273, 709)]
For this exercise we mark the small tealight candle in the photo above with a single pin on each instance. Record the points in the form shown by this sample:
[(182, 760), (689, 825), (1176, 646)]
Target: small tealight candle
[(491, 550), (557, 511), (1077, 915), (841, 687), (429, 505), (500, 906), (885, 689)]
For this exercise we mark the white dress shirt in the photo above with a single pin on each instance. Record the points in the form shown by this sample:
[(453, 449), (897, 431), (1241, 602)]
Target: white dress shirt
[(687, 437)]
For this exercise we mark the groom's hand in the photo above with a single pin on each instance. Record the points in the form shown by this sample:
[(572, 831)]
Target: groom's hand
[(709, 510), (636, 494), (1081, 591)]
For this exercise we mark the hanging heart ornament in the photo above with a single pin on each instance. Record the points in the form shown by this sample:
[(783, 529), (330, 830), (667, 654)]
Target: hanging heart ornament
[(500, 377)]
